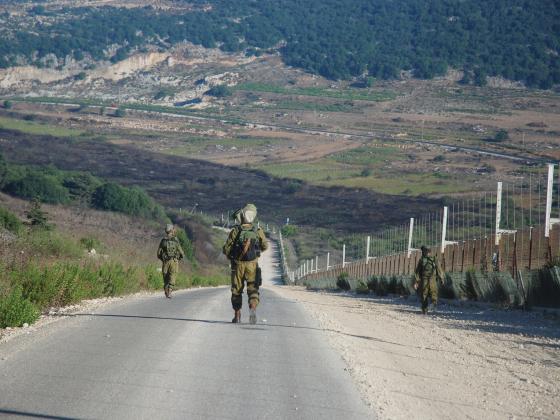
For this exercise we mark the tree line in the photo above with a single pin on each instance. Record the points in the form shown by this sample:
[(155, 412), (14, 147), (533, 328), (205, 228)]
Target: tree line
[(339, 39)]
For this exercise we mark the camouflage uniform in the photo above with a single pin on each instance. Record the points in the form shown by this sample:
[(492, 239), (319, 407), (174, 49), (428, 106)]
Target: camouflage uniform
[(170, 253), (244, 271), (428, 272)]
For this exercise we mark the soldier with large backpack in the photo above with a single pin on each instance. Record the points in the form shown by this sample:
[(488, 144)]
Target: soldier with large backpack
[(170, 253), (428, 273), (243, 248)]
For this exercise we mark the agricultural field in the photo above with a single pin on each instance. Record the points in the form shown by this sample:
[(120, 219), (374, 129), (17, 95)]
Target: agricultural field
[(301, 145)]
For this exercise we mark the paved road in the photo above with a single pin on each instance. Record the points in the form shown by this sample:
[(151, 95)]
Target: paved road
[(182, 358)]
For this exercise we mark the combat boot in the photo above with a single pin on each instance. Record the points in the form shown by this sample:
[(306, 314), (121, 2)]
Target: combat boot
[(252, 315), (169, 290), (166, 291), (237, 317)]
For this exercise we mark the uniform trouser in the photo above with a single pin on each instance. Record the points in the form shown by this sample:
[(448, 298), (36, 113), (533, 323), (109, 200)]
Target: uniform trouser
[(241, 272), (169, 269), (429, 290)]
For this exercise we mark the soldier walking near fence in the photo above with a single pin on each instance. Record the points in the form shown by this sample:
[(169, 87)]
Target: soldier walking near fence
[(243, 248), (428, 273), (170, 253)]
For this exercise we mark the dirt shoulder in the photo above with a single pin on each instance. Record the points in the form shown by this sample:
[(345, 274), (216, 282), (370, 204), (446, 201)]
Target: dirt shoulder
[(464, 362)]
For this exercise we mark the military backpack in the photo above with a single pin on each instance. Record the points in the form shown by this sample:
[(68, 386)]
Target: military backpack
[(170, 249), (246, 246), (428, 267)]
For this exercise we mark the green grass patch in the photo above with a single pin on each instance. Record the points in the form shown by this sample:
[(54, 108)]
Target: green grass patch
[(328, 172), (408, 184), (194, 145), (368, 155), (33, 127), (311, 106), (324, 172), (349, 94)]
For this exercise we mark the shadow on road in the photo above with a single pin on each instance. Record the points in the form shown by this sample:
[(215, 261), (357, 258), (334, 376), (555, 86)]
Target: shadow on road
[(261, 326), (33, 415)]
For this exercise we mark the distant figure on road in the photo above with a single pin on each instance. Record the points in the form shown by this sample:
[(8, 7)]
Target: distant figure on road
[(243, 248), (428, 272), (170, 253)]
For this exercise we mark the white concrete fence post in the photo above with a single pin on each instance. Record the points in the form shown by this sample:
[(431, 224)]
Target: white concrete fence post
[(410, 233), (500, 231), (549, 220), (343, 255)]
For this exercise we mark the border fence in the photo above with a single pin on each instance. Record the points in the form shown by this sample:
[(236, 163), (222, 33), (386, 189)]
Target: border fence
[(511, 232)]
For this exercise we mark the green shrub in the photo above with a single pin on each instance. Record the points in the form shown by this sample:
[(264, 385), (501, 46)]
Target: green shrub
[(362, 288), (90, 242), (342, 281), (382, 286), (117, 280), (289, 230), (50, 243), (219, 91), (80, 185), (8, 104), (372, 283), (38, 185), (154, 279), (15, 310), (133, 201), (10, 221), (120, 112), (186, 244), (365, 172)]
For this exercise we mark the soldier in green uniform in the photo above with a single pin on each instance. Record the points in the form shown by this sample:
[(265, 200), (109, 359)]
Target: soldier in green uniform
[(428, 272), (170, 253), (243, 247)]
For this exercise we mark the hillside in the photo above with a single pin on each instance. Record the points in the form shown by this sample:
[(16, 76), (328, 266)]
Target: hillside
[(516, 40), (179, 182), (80, 253)]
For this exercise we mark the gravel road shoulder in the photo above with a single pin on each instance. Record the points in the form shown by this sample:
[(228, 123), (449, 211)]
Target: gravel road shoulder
[(465, 362)]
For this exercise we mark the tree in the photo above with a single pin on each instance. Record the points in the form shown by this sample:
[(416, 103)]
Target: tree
[(365, 172), (219, 91), (3, 171), (36, 216), (8, 104), (501, 135), (480, 77), (120, 112)]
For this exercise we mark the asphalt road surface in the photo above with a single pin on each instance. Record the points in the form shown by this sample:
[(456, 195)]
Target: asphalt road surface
[(154, 358)]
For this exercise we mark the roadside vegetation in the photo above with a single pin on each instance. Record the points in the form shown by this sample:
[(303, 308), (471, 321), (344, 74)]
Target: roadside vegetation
[(49, 260)]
